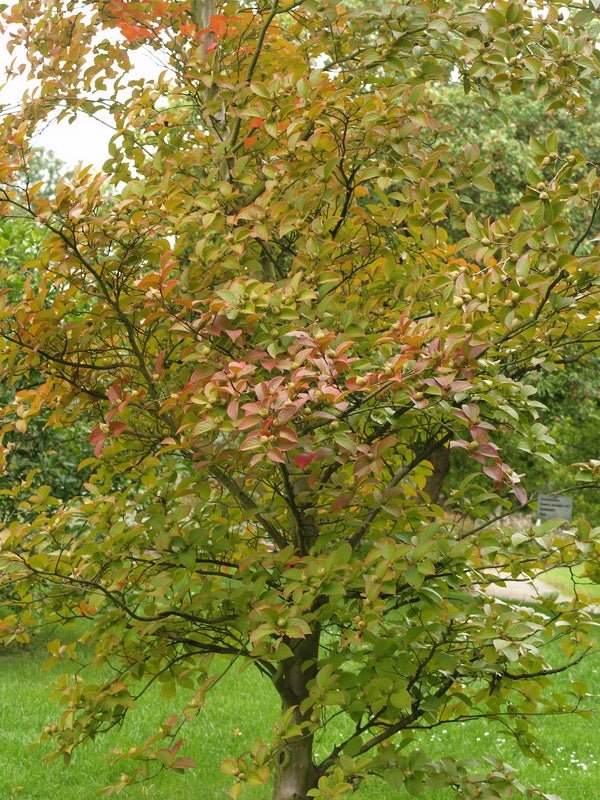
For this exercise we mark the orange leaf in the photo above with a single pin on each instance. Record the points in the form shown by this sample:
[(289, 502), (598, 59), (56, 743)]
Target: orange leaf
[(187, 29), (134, 33), (218, 24), (87, 609), (159, 366)]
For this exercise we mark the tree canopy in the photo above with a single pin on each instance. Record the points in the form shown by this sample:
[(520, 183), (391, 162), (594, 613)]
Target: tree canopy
[(569, 390), (264, 307)]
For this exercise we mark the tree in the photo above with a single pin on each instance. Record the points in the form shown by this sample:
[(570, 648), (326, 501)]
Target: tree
[(570, 392), (572, 414), (504, 140), (262, 308), (47, 456)]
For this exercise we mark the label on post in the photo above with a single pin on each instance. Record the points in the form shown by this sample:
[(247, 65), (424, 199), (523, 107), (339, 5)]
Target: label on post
[(554, 506)]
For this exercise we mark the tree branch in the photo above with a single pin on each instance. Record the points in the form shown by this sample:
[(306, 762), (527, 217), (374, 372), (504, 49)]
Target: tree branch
[(398, 477), (246, 502)]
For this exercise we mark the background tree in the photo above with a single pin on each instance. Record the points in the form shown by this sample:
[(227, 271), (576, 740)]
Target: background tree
[(47, 456), (262, 308), (572, 400), (504, 136), (570, 392)]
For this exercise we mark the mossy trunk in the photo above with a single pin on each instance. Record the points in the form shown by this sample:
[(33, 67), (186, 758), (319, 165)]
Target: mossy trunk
[(295, 771)]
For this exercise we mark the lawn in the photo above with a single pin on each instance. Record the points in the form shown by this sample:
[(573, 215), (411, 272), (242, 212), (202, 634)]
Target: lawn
[(568, 581), (241, 709)]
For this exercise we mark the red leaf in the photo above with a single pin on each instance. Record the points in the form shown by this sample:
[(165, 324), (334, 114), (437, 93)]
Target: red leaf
[(184, 763), (288, 434), (261, 390), (250, 422), (461, 386), (115, 393), (287, 413), (97, 438), (494, 472), (176, 747), (115, 428), (488, 449), (98, 449), (303, 460), (520, 493), (478, 432), (341, 501), (96, 435)]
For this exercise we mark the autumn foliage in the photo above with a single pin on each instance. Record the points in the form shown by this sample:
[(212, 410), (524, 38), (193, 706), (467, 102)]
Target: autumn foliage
[(261, 312)]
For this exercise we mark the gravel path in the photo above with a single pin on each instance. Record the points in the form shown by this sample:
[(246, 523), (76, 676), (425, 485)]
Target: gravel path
[(533, 590), (524, 590)]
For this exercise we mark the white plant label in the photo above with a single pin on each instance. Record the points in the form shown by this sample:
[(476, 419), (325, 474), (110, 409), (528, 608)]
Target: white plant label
[(554, 506)]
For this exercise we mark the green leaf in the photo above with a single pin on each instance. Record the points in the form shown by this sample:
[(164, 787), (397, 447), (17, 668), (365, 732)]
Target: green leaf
[(484, 183), (413, 785), (188, 558)]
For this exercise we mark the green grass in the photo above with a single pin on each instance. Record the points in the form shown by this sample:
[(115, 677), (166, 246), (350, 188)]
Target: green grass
[(240, 709), (567, 581), (237, 712)]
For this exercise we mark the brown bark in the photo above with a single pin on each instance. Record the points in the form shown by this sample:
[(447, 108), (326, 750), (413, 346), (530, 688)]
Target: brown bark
[(440, 461), (295, 771)]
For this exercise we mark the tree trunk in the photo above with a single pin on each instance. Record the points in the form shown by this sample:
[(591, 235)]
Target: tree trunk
[(295, 771), (202, 11), (440, 461)]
